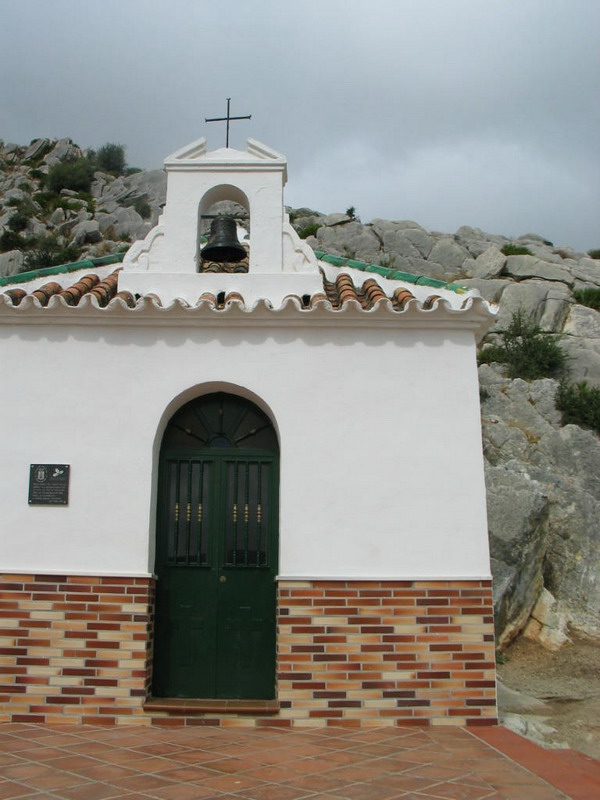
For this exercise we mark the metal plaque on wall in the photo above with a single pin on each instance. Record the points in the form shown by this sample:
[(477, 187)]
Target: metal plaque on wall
[(49, 484)]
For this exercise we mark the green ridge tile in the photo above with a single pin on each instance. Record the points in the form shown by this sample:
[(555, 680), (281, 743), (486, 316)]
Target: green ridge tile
[(423, 281), (62, 269), (408, 277)]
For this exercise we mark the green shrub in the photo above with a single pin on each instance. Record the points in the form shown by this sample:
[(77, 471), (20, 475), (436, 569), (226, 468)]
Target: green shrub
[(74, 175), (143, 208), (594, 253), (18, 221), (37, 174), (580, 405), (308, 230), (131, 171), (47, 251), (588, 297), (516, 250), (351, 212), (10, 240), (526, 350), (491, 354), (111, 158)]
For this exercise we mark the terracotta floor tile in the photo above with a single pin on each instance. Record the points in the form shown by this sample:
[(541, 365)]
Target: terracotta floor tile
[(441, 772), (531, 793), (7, 759), (105, 772), (187, 791), (24, 772), (459, 791), (187, 773), (86, 763), (87, 791), (318, 783), (39, 752), (160, 749), (193, 757), (10, 790), (230, 765), (273, 774), (272, 792), (406, 783), (366, 791), (360, 772), (230, 783), (70, 763), (141, 783)]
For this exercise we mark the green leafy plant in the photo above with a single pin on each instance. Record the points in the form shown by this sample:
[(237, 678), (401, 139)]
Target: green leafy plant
[(143, 208), (18, 221), (74, 175), (308, 230), (528, 352), (594, 253), (111, 158), (47, 251), (580, 404), (516, 250), (10, 240), (588, 297), (351, 212)]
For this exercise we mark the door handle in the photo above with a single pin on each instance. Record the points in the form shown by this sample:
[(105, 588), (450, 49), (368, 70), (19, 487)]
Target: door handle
[(222, 578)]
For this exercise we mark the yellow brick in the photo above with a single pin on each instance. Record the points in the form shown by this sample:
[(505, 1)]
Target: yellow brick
[(400, 675)]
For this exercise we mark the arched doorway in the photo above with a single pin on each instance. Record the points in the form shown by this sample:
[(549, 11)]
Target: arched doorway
[(216, 552)]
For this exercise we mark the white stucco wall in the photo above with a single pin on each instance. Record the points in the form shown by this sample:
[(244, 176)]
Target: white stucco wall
[(381, 463)]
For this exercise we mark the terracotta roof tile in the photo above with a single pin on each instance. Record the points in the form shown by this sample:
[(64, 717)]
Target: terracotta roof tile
[(340, 292), (343, 290)]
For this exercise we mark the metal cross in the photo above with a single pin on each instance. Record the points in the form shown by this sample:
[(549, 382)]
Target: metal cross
[(227, 119)]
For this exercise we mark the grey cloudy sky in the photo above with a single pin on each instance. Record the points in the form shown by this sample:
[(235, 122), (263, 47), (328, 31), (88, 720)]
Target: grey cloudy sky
[(449, 112)]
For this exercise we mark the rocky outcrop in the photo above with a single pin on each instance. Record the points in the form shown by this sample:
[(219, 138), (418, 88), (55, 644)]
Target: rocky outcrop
[(544, 509), (119, 211), (543, 479)]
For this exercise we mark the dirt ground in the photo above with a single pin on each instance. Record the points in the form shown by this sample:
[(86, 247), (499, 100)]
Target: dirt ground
[(568, 681)]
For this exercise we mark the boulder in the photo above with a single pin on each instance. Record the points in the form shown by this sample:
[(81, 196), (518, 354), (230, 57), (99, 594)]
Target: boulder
[(450, 255), (517, 508), (521, 267), (489, 264), (36, 148), (86, 231), (530, 296), (10, 262)]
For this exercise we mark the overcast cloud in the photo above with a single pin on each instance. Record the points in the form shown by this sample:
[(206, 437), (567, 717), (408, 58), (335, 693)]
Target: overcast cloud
[(449, 112)]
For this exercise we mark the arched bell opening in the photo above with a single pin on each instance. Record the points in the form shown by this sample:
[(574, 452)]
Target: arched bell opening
[(216, 551), (223, 230)]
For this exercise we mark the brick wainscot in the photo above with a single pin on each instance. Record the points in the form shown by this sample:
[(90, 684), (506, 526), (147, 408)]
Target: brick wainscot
[(77, 649)]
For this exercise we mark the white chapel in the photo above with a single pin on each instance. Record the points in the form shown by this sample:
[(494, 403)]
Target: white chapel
[(242, 481)]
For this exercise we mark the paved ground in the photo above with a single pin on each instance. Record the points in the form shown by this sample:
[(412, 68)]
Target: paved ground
[(90, 763)]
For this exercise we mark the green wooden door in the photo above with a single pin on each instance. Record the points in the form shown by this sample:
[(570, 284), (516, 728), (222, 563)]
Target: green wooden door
[(216, 563)]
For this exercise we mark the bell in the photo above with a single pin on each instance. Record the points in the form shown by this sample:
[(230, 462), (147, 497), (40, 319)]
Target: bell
[(223, 245)]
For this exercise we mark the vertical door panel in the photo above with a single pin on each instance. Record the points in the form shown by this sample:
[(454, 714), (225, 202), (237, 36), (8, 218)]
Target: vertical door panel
[(216, 562)]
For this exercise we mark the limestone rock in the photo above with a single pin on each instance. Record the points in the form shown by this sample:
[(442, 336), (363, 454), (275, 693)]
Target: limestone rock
[(87, 231), (546, 624), (450, 255), (530, 296), (517, 507), (489, 264), (10, 262), (532, 267), (36, 148)]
